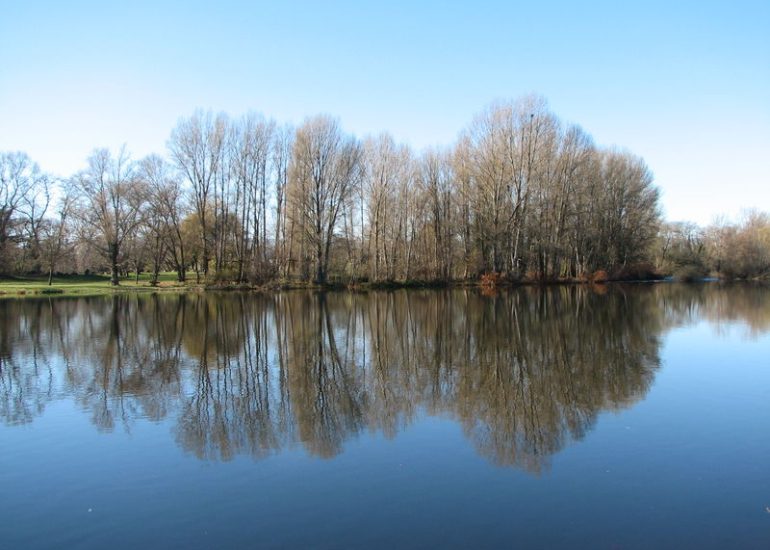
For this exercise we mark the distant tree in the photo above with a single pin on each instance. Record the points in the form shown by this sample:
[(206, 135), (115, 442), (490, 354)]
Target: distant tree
[(197, 146), (519, 196), (250, 151), (24, 199), (325, 171), (627, 210), (165, 211), (464, 183), (508, 149), (382, 173), (283, 141), (435, 179), (56, 238), (746, 247), (682, 250), (110, 201)]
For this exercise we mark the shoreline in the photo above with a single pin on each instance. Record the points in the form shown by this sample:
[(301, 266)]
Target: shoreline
[(32, 288)]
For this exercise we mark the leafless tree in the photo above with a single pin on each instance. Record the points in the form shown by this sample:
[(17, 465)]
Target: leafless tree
[(110, 202), (56, 235), (196, 146), (436, 181), (282, 150), (519, 194), (24, 200), (325, 170), (250, 152), (166, 211), (382, 171)]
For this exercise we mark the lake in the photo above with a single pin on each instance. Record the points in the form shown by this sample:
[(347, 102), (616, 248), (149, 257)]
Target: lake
[(609, 417)]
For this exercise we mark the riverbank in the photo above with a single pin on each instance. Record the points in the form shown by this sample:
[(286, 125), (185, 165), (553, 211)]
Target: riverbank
[(83, 285), (92, 285), (87, 285)]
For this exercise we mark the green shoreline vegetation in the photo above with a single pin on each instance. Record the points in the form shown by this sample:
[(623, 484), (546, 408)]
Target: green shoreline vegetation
[(81, 285), (521, 197)]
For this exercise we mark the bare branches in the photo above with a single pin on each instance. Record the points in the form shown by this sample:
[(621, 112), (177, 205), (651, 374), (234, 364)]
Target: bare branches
[(110, 204), (520, 194), (325, 171), (196, 146), (24, 200)]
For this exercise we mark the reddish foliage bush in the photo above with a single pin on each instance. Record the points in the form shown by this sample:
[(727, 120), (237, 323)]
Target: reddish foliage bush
[(491, 280)]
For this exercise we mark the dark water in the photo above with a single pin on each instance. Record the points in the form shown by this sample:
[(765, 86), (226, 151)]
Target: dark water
[(634, 417)]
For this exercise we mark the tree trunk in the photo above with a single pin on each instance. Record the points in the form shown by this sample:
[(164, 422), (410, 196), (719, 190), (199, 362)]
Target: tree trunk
[(182, 267), (114, 279), (320, 276)]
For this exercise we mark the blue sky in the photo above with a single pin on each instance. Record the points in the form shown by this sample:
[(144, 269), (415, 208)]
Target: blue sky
[(685, 85)]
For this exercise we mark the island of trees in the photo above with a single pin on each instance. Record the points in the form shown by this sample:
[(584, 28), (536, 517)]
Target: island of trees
[(519, 197)]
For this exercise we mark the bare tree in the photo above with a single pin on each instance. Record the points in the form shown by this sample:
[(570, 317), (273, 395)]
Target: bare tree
[(520, 194), (326, 168), (24, 199), (165, 211), (250, 152), (110, 202), (55, 235), (384, 170), (196, 146), (506, 156), (628, 215), (742, 250), (282, 149), (435, 179)]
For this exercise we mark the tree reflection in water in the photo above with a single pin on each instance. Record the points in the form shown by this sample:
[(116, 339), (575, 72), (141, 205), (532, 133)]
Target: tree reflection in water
[(524, 372)]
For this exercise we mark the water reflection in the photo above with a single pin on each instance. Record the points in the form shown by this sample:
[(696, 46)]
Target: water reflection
[(523, 372)]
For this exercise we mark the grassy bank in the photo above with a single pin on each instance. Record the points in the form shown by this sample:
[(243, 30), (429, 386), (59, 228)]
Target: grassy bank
[(83, 285), (90, 285)]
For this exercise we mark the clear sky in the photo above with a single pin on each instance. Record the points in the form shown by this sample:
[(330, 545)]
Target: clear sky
[(686, 85)]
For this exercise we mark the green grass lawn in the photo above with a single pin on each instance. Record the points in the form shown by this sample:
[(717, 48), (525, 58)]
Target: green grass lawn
[(82, 284)]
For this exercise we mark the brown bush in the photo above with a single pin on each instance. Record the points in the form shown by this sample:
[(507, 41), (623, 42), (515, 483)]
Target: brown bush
[(491, 280)]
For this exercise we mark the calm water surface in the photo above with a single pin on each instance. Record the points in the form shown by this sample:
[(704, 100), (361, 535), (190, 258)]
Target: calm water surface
[(626, 417)]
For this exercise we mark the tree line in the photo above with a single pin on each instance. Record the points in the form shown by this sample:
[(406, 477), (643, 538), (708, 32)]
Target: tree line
[(730, 250), (520, 195)]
